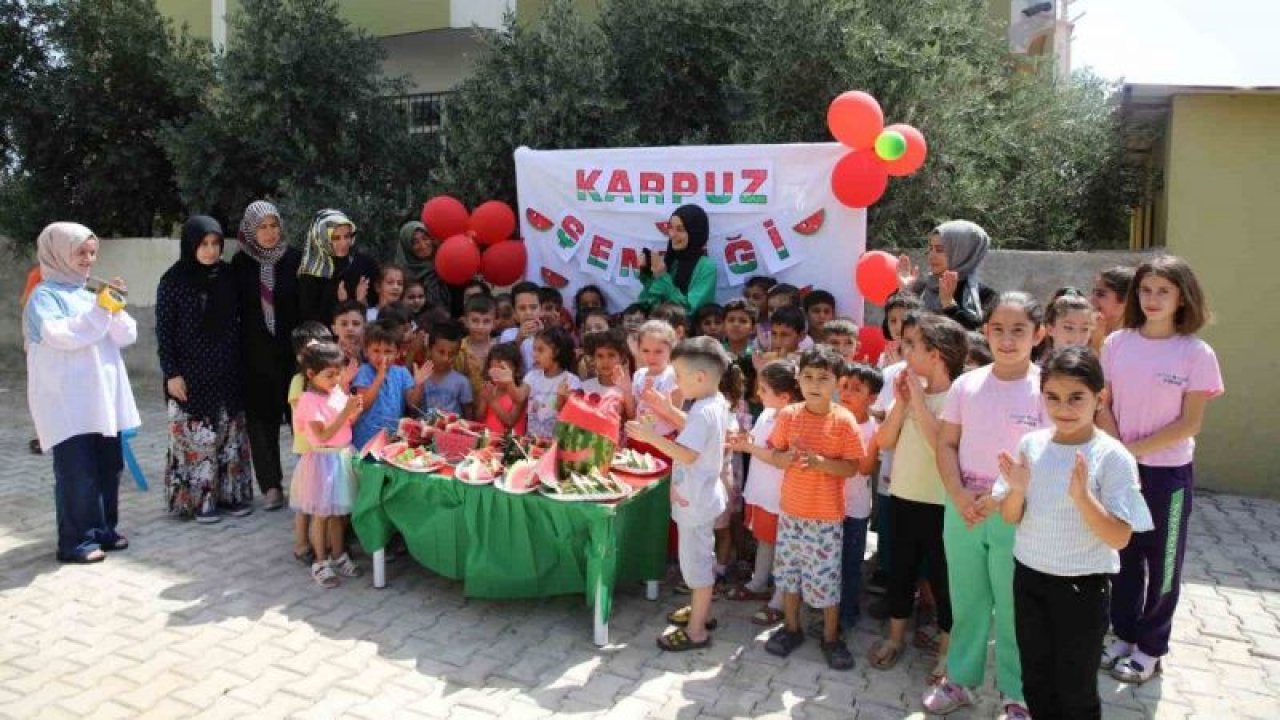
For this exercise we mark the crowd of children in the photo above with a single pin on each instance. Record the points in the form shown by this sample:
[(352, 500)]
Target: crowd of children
[(1006, 475)]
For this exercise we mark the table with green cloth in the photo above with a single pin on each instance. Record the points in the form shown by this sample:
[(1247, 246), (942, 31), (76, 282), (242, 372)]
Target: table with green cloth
[(502, 545)]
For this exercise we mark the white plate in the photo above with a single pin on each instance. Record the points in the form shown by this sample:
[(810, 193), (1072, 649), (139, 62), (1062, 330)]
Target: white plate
[(390, 451), (501, 484)]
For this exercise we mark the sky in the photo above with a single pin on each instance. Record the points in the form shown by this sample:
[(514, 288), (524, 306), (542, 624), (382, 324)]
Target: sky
[(1179, 42)]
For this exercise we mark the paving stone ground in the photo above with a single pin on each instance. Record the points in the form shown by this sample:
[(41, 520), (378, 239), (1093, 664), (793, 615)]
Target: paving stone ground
[(219, 621)]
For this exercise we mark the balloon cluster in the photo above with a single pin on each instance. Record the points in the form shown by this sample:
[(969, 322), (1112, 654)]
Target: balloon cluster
[(861, 176), (490, 226)]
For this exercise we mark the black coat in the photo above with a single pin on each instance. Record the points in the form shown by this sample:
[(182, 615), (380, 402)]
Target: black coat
[(971, 303), (317, 297), (267, 362)]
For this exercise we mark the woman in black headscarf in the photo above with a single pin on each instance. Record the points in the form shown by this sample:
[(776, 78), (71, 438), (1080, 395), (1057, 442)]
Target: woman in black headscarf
[(208, 470), (685, 275), (266, 272)]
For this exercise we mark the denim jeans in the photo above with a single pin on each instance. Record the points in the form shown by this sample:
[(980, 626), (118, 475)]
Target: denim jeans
[(852, 552), (86, 471)]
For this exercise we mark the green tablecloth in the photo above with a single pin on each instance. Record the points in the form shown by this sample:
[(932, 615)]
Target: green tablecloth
[(513, 546)]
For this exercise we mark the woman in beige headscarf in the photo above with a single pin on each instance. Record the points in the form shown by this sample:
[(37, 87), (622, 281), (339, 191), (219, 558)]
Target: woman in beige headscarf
[(78, 390)]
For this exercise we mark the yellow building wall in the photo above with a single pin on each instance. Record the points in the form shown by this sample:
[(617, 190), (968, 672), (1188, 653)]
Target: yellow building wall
[(1223, 197), (193, 13)]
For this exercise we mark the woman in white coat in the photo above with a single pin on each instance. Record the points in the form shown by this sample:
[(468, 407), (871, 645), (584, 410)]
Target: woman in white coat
[(78, 390)]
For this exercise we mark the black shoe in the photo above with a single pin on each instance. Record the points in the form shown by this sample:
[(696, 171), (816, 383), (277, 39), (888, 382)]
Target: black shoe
[(236, 509), (783, 641), (837, 655), (34, 447)]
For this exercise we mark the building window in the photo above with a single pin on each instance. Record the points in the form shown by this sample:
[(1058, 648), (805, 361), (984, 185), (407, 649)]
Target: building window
[(422, 111)]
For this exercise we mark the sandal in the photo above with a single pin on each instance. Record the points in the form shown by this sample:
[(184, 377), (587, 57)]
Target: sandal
[(306, 557), (783, 641), (741, 593), (767, 616), (679, 641), (346, 567), (884, 655), (926, 639), (324, 576), (680, 617), (939, 671)]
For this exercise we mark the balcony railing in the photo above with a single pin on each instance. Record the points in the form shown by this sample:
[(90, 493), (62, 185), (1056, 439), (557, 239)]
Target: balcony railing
[(422, 111)]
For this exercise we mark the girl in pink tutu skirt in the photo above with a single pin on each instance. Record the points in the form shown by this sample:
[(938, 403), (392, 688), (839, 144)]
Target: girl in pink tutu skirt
[(323, 485)]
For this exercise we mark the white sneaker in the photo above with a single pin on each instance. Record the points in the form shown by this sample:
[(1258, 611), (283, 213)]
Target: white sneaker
[(1114, 653), (346, 567)]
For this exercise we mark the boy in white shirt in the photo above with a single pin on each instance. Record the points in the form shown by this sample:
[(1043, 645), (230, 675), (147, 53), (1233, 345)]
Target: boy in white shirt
[(697, 495)]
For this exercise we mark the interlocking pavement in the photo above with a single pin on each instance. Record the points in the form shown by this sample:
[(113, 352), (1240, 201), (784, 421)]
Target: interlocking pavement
[(220, 621)]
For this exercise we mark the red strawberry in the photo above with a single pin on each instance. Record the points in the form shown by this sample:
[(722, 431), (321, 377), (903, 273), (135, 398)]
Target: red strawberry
[(540, 222), (553, 278), (811, 224)]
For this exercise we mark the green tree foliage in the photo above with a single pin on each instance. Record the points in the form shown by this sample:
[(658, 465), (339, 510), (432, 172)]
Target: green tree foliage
[(301, 115), (1041, 165), (84, 99)]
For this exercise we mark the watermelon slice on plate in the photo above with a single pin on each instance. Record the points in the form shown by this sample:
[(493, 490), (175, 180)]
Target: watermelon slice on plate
[(520, 479)]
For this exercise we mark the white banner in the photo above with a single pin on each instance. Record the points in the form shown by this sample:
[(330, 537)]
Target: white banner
[(586, 215)]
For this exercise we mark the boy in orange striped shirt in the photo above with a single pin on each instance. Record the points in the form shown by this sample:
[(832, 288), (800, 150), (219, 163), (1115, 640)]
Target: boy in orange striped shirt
[(817, 444)]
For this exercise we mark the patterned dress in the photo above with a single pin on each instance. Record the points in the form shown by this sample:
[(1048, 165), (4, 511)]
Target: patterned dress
[(197, 330)]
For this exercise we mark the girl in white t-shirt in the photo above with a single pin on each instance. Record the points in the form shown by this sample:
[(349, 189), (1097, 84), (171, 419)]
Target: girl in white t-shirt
[(549, 382), (655, 340), (777, 387), (1160, 378)]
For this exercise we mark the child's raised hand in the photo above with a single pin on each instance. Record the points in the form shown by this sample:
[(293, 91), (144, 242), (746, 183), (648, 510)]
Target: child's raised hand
[(362, 290), (422, 372), (891, 354), (642, 430), (806, 459), (501, 375), (1017, 473), (342, 292), (1079, 487), (659, 401), (739, 442), (348, 373), (354, 406), (488, 392), (621, 379), (901, 387)]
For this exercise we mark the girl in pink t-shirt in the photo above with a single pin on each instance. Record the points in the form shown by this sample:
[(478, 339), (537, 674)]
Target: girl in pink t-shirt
[(986, 413), (1160, 377), (501, 405), (323, 486)]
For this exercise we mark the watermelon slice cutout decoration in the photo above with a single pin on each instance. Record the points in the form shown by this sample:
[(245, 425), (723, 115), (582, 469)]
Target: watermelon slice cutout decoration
[(554, 279), (540, 222), (812, 224)]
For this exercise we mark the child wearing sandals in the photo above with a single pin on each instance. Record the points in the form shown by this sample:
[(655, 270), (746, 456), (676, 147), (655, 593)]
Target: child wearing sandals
[(1072, 493), (987, 412), (323, 486), (777, 388), (934, 349), (817, 445), (697, 495)]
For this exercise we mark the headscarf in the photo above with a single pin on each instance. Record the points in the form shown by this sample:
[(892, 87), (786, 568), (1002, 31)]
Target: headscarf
[(55, 248), (267, 257), (212, 281), (682, 262), (420, 269), (966, 245), (317, 256)]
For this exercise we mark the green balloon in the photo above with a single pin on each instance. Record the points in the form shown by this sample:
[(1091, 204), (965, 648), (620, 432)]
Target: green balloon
[(891, 145)]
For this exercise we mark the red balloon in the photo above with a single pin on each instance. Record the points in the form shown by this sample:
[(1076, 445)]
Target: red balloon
[(859, 179), (876, 276), (457, 260), (870, 343), (913, 158), (493, 222), (503, 263), (444, 216), (855, 119)]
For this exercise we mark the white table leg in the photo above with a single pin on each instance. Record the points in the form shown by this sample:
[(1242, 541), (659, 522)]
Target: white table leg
[(380, 568), (601, 624), (650, 589)]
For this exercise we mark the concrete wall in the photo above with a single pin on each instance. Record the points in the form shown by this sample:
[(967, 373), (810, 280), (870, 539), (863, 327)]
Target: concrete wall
[(1223, 161)]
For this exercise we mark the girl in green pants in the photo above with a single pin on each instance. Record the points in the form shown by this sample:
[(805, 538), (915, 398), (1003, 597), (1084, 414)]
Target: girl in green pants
[(986, 413)]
